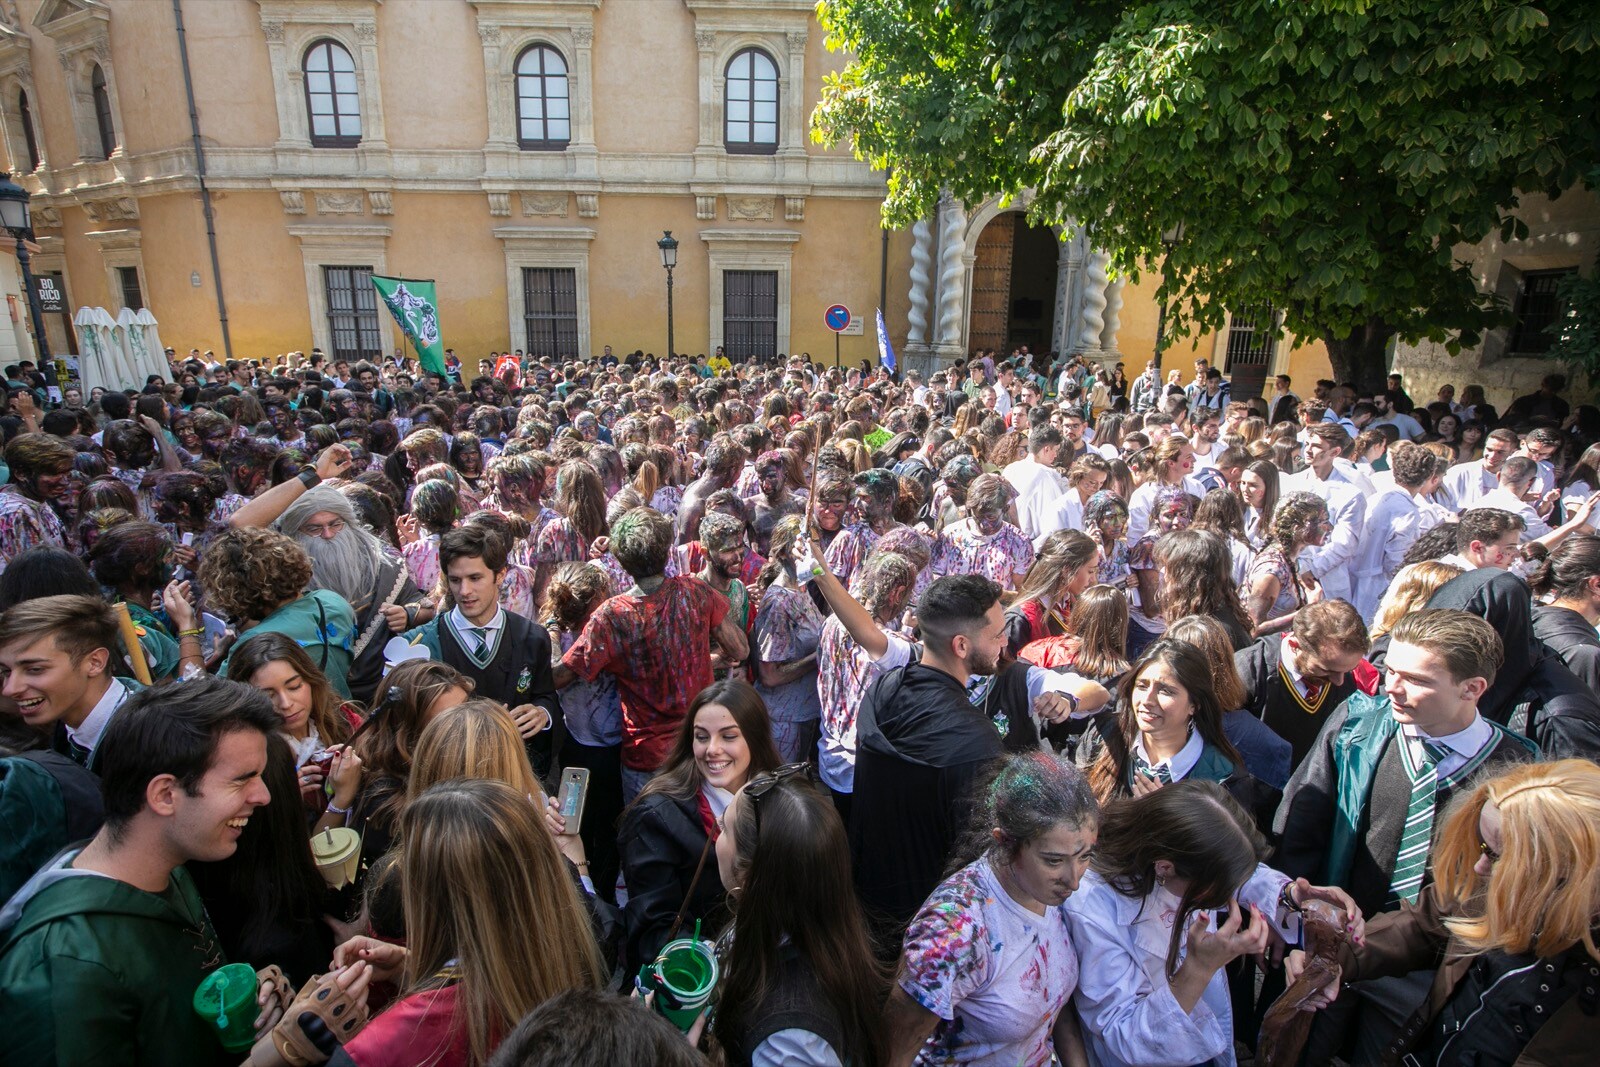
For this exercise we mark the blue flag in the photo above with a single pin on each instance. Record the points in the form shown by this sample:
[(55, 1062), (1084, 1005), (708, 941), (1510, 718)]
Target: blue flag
[(885, 349)]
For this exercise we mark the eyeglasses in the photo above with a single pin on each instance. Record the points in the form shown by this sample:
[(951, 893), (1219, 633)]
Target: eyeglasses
[(1491, 854), (764, 783), (332, 529)]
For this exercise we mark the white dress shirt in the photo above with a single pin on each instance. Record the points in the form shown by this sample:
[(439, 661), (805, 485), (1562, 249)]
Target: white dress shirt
[(1038, 487), (1393, 522), (87, 733), (1347, 510), (1459, 747)]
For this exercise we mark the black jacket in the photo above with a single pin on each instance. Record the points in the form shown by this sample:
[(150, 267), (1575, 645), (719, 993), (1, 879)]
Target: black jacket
[(1569, 635), (1533, 692), (920, 747), (661, 842)]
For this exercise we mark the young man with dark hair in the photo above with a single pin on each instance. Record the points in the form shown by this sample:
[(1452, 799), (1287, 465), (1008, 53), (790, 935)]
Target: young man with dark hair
[(56, 656), (101, 951), (923, 738), (1468, 483), (506, 655), (1035, 478), (1394, 519), (1334, 484)]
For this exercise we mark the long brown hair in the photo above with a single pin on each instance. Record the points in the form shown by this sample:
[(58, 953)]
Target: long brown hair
[(793, 861), (1061, 554), (582, 498), (1197, 578), (489, 904), (399, 709), (477, 739), (680, 776), (273, 647), (1100, 622), (1109, 774), (1197, 827)]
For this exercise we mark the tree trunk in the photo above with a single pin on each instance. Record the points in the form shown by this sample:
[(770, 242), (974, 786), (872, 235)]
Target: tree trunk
[(1359, 357)]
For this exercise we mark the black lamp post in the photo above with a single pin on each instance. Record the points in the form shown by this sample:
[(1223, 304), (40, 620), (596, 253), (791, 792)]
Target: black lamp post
[(1169, 241), (669, 259), (17, 220)]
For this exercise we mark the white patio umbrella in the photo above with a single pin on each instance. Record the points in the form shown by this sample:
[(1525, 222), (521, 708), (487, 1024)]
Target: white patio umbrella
[(104, 361), (136, 342), (152, 339)]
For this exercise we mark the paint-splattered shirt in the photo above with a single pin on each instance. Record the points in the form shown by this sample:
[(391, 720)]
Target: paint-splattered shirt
[(999, 556), (787, 628), (659, 648), (853, 545), (25, 523), (516, 591), (995, 973), (560, 542), (422, 560)]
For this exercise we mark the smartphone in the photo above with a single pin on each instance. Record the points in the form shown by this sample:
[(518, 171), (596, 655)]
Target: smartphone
[(574, 791)]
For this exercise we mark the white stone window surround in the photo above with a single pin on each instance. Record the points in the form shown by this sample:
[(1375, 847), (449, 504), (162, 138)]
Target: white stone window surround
[(748, 250), (359, 244), (291, 28), (81, 30), (13, 83), (120, 248), (560, 247), (723, 29), (507, 29)]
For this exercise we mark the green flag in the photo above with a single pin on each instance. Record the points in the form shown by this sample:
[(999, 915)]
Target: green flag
[(414, 305)]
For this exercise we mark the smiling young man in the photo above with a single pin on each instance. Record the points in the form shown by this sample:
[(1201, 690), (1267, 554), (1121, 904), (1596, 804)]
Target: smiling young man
[(506, 655), (56, 656), (102, 950)]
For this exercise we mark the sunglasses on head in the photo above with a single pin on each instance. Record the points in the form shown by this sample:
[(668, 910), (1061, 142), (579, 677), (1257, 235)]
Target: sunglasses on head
[(766, 781)]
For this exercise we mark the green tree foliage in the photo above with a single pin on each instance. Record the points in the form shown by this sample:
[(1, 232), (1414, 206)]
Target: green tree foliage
[(1323, 155)]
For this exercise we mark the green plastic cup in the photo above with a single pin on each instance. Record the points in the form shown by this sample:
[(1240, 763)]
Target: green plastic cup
[(227, 1000), (685, 974)]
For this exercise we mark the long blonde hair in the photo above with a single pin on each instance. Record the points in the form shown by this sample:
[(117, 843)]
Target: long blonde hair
[(488, 902), (1544, 894), (1409, 592), (475, 739)]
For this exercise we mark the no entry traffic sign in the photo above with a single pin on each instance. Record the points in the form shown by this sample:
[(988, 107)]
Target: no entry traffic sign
[(837, 318)]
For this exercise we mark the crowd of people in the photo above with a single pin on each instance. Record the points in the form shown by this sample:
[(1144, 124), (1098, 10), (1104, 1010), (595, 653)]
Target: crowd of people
[(1019, 715)]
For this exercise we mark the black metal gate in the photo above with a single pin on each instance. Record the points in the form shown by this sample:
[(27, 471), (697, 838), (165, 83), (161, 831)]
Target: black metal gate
[(550, 311), (749, 314), (352, 313)]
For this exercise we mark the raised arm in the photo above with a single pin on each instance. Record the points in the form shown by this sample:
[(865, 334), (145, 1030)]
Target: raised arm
[(853, 615), (265, 509)]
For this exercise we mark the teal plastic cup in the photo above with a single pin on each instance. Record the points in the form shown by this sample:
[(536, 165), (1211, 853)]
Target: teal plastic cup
[(226, 999), (683, 978)]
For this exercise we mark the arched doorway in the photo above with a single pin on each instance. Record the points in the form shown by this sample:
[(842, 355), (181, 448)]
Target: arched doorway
[(1014, 285)]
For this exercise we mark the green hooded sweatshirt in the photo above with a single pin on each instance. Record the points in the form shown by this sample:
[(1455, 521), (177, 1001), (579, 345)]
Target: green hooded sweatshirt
[(97, 972)]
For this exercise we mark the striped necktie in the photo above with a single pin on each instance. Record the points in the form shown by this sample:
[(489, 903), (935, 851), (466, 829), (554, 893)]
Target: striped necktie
[(1160, 772), (480, 635), (1417, 837)]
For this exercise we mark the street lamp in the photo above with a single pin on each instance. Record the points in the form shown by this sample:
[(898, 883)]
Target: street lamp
[(17, 220), (1169, 241), (669, 259)]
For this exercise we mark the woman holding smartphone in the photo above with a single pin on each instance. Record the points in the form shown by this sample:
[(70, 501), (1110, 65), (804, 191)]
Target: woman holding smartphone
[(1176, 891)]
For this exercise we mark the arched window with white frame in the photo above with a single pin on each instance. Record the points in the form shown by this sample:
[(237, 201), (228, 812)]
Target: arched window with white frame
[(333, 99), (544, 100), (750, 103)]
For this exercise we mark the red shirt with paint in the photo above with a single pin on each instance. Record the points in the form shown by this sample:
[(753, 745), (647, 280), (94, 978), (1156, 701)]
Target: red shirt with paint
[(659, 648)]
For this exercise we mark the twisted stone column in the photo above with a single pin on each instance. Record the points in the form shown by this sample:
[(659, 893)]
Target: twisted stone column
[(921, 282)]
